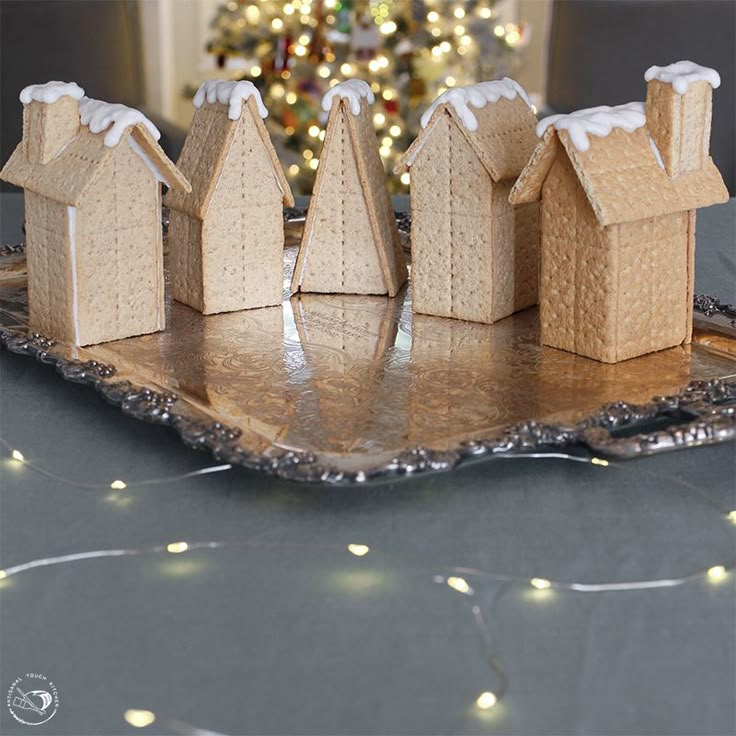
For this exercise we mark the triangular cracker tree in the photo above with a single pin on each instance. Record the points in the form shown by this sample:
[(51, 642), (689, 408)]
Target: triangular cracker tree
[(350, 243)]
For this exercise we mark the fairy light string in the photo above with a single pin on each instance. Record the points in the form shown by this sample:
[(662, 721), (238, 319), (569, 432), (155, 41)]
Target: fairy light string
[(118, 484), (460, 580)]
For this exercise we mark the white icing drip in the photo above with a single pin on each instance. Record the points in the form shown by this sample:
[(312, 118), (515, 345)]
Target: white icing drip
[(353, 90), (232, 94), (681, 74), (477, 95), (138, 150), (597, 121), (71, 216), (656, 152), (50, 92), (100, 116)]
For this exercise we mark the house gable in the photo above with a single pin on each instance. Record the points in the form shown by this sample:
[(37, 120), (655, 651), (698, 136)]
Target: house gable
[(246, 174), (119, 263), (503, 141), (206, 152)]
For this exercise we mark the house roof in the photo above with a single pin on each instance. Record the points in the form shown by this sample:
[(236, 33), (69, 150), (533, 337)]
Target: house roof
[(68, 177), (205, 151), (621, 176), (503, 141)]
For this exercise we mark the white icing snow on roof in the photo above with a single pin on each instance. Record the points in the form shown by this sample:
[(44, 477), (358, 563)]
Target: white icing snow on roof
[(232, 94), (352, 90), (100, 116), (477, 95), (682, 73), (50, 92), (597, 121)]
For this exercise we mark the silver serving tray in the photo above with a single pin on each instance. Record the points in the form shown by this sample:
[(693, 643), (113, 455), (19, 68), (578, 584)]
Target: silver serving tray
[(348, 389)]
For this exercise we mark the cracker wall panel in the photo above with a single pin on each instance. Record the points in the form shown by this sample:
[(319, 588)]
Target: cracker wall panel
[(323, 258), (247, 175), (50, 295), (185, 259), (242, 257), (527, 244), (596, 283), (691, 229), (372, 181), (557, 293), (119, 252), (653, 285), (431, 223), (362, 272), (470, 184), (696, 111)]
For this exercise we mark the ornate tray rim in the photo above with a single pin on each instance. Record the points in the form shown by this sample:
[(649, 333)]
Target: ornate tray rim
[(702, 413)]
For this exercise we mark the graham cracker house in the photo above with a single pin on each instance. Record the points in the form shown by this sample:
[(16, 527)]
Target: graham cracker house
[(350, 243), (226, 237), (473, 256), (92, 174), (619, 187)]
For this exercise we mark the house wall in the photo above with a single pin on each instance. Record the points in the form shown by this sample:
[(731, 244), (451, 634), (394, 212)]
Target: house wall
[(579, 270), (654, 298), (48, 257), (185, 259), (119, 251), (340, 255), (452, 228), (243, 231), (515, 238), (610, 293)]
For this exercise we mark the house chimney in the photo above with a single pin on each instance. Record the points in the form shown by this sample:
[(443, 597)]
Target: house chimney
[(678, 111), (50, 118)]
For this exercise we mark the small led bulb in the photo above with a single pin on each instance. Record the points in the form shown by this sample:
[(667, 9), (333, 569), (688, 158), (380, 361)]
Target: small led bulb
[(540, 583), (486, 700), (177, 547), (460, 585), (717, 573), (359, 550), (139, 718)]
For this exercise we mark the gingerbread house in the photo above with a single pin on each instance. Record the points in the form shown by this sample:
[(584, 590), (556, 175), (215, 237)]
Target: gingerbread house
[(619, 187), (350, 244), (226, 239), (92, 174), (473, 256)]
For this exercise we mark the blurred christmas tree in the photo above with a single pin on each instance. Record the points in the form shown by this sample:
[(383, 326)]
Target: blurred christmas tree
[(408, 51)]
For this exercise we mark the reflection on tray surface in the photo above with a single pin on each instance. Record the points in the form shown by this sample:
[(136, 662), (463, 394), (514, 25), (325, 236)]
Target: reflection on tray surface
[(362, 376)]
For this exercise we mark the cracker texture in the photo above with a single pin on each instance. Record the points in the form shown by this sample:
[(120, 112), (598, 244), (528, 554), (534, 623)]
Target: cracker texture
[(227, 237), (350, 244), (473, 256)]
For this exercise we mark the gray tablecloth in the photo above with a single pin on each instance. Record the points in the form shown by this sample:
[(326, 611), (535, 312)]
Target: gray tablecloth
[(283, 631)]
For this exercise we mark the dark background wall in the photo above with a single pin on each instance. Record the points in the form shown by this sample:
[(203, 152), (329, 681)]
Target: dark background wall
[(599, 50)]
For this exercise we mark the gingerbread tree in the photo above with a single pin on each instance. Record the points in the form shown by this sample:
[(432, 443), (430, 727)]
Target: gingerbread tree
[(350, 243)]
